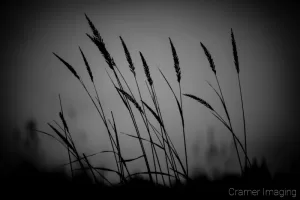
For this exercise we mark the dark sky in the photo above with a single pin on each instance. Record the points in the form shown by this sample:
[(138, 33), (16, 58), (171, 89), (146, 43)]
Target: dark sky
[(267, 37)]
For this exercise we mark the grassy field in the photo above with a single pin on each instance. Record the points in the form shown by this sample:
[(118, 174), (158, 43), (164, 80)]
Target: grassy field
[(165, 169)]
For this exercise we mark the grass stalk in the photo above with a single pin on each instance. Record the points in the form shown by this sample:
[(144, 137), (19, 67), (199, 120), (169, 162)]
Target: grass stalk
[(237, 66), (212, 66), (164, 142), (65, 130)]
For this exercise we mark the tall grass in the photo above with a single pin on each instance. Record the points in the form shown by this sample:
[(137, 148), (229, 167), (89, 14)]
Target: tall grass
[(158, 137)]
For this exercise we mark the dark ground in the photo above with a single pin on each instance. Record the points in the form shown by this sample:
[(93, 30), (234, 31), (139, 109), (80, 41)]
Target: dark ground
[(27, 178)]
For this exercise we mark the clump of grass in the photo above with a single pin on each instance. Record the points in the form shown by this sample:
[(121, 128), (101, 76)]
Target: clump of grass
[(221, 97), (175, 169), (98, 41)]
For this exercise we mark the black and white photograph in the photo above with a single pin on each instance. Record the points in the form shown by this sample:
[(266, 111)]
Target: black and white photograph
[(182, 97)]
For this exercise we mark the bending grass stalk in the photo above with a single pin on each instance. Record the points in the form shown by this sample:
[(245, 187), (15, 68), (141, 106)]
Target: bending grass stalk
[(62, 129), (72, 146), (150, 137), (164, 148), (104, 119), (90, 167), (163, 127), (65, 130), (212, 66), (118, 143), (228, 126), (134, 101), (149, 142), (236, 62), (133, 159), (168, 139), (126, 103), (68, 144), (128, 97), (106, 169), (178, 75), (89, 156), (55, 138), (163, 130), (63, 144), (216, 114), (163, 143), (141, 173), (101, 113), (79, 159), (115, 156), (243, 118), (144, 139), (82, 83), (234, 135), (132, 69), (154, 99), (179, 107)]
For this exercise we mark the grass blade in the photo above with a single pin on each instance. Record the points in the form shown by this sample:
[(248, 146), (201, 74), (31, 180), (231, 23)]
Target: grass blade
[(180, 173), (133, 159), (143, 173), (83, 158), (90, 167), (107, 169), (62, 137), (144, 140), (48, 134)]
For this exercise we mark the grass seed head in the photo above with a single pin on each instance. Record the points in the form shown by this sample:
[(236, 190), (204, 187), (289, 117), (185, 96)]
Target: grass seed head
[(209, 58), (98, 41), (146, 69), (176, 62), (87, 66), (68, 66), (235, 55), (128, 57)]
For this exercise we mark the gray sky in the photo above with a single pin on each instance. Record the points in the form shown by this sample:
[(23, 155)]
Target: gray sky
[(266, 40)]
